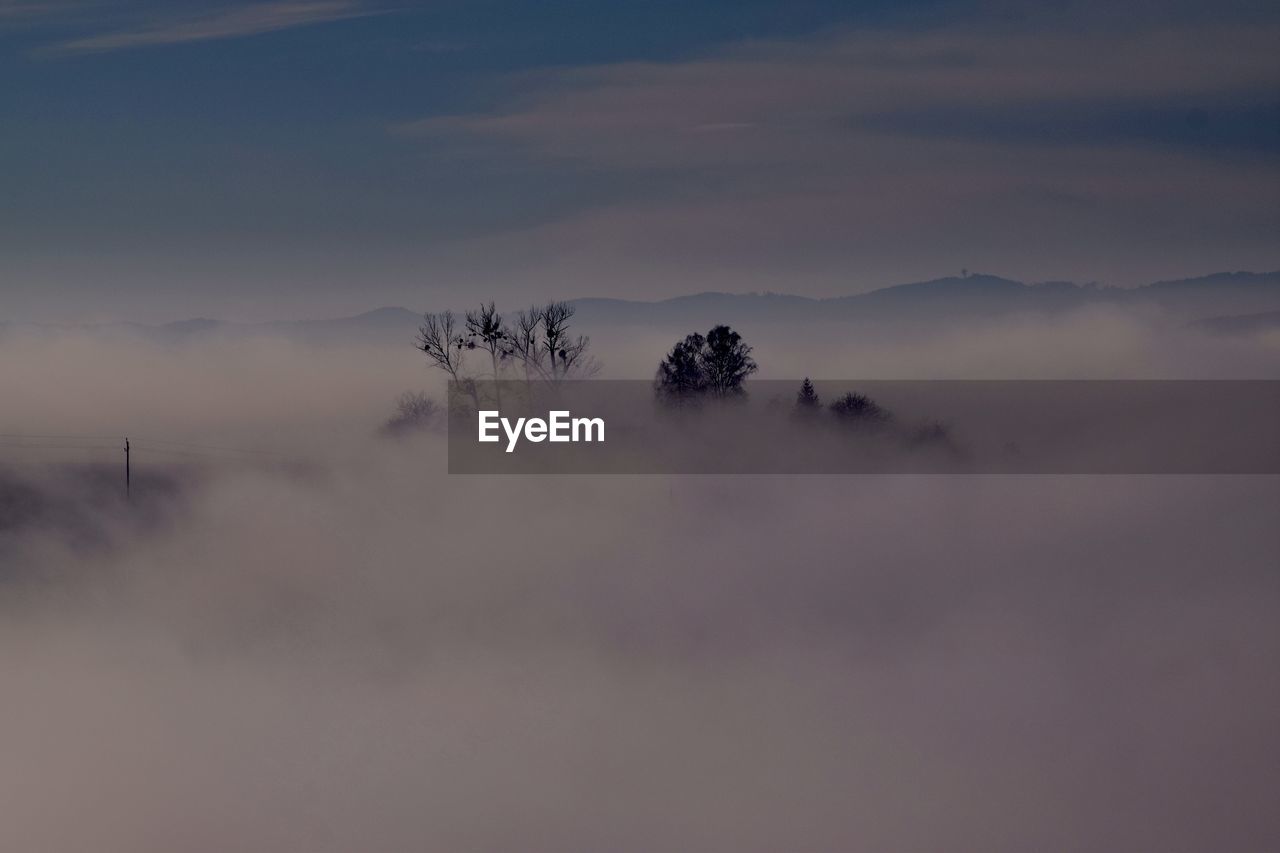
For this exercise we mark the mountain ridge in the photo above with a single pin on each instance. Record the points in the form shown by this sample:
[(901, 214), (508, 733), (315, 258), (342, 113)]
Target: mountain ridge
[(1216, 295)]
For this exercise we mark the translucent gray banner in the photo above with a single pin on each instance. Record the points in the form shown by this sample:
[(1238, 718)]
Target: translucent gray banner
[(868, 427)]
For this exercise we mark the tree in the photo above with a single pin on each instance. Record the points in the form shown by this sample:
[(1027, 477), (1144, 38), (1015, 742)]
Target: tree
[(931, 434), (445, 347), (438, 337), (486, 331), (716, 366), (566, 355), (415, 412), (727, 362), (539, 341), (680, 374), (807, 400), (525, 343), (858, 410)]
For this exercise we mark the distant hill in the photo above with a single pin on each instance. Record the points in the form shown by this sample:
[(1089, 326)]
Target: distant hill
[(949, 299), (1221, 294), (1241, 324), (1218, 280), (1221, 301), (378, 325)]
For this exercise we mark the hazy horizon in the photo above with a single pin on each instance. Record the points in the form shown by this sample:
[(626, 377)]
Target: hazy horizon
[(512, 305)]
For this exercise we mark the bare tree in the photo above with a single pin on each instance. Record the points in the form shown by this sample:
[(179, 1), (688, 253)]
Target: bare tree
[(539, 342), (415, 412), (438, 337), (486, 331), (567, 356), (526, 343), (441, 339)]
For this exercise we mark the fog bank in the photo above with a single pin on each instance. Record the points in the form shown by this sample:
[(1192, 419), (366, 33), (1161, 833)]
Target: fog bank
[(349, 650)]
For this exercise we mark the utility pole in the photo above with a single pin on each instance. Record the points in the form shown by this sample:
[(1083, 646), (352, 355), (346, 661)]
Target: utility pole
[(127, 486)]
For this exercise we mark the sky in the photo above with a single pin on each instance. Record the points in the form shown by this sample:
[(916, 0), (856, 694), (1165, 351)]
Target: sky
[(309, 158)]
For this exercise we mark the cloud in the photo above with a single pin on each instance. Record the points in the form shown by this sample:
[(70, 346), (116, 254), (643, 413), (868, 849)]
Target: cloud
[(889, 154), (245, 20), (29, 12), (20, 9), (807, 93)]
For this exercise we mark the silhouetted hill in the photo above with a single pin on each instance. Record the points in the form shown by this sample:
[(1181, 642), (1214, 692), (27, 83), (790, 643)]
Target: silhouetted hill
[(1242, 324), (1225, 297), (953, 298), (1218, 280), (1218, 294)]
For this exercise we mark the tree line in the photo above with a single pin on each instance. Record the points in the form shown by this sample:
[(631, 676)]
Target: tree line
[(539, 344), (716, 366), (536, 344)]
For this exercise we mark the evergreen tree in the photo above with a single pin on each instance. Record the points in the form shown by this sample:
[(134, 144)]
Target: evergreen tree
[(807, 399)]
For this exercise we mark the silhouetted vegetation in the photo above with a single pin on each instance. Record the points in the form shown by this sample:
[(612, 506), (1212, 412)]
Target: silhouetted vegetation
[(415, 412), (559, 354), (858, 410), (934, 434), (807, 400), (713, 366), (538, 345), (680, 374), (484, 331), (439, 338)]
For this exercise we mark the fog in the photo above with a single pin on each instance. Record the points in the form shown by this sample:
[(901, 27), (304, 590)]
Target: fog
[(336, 646)]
